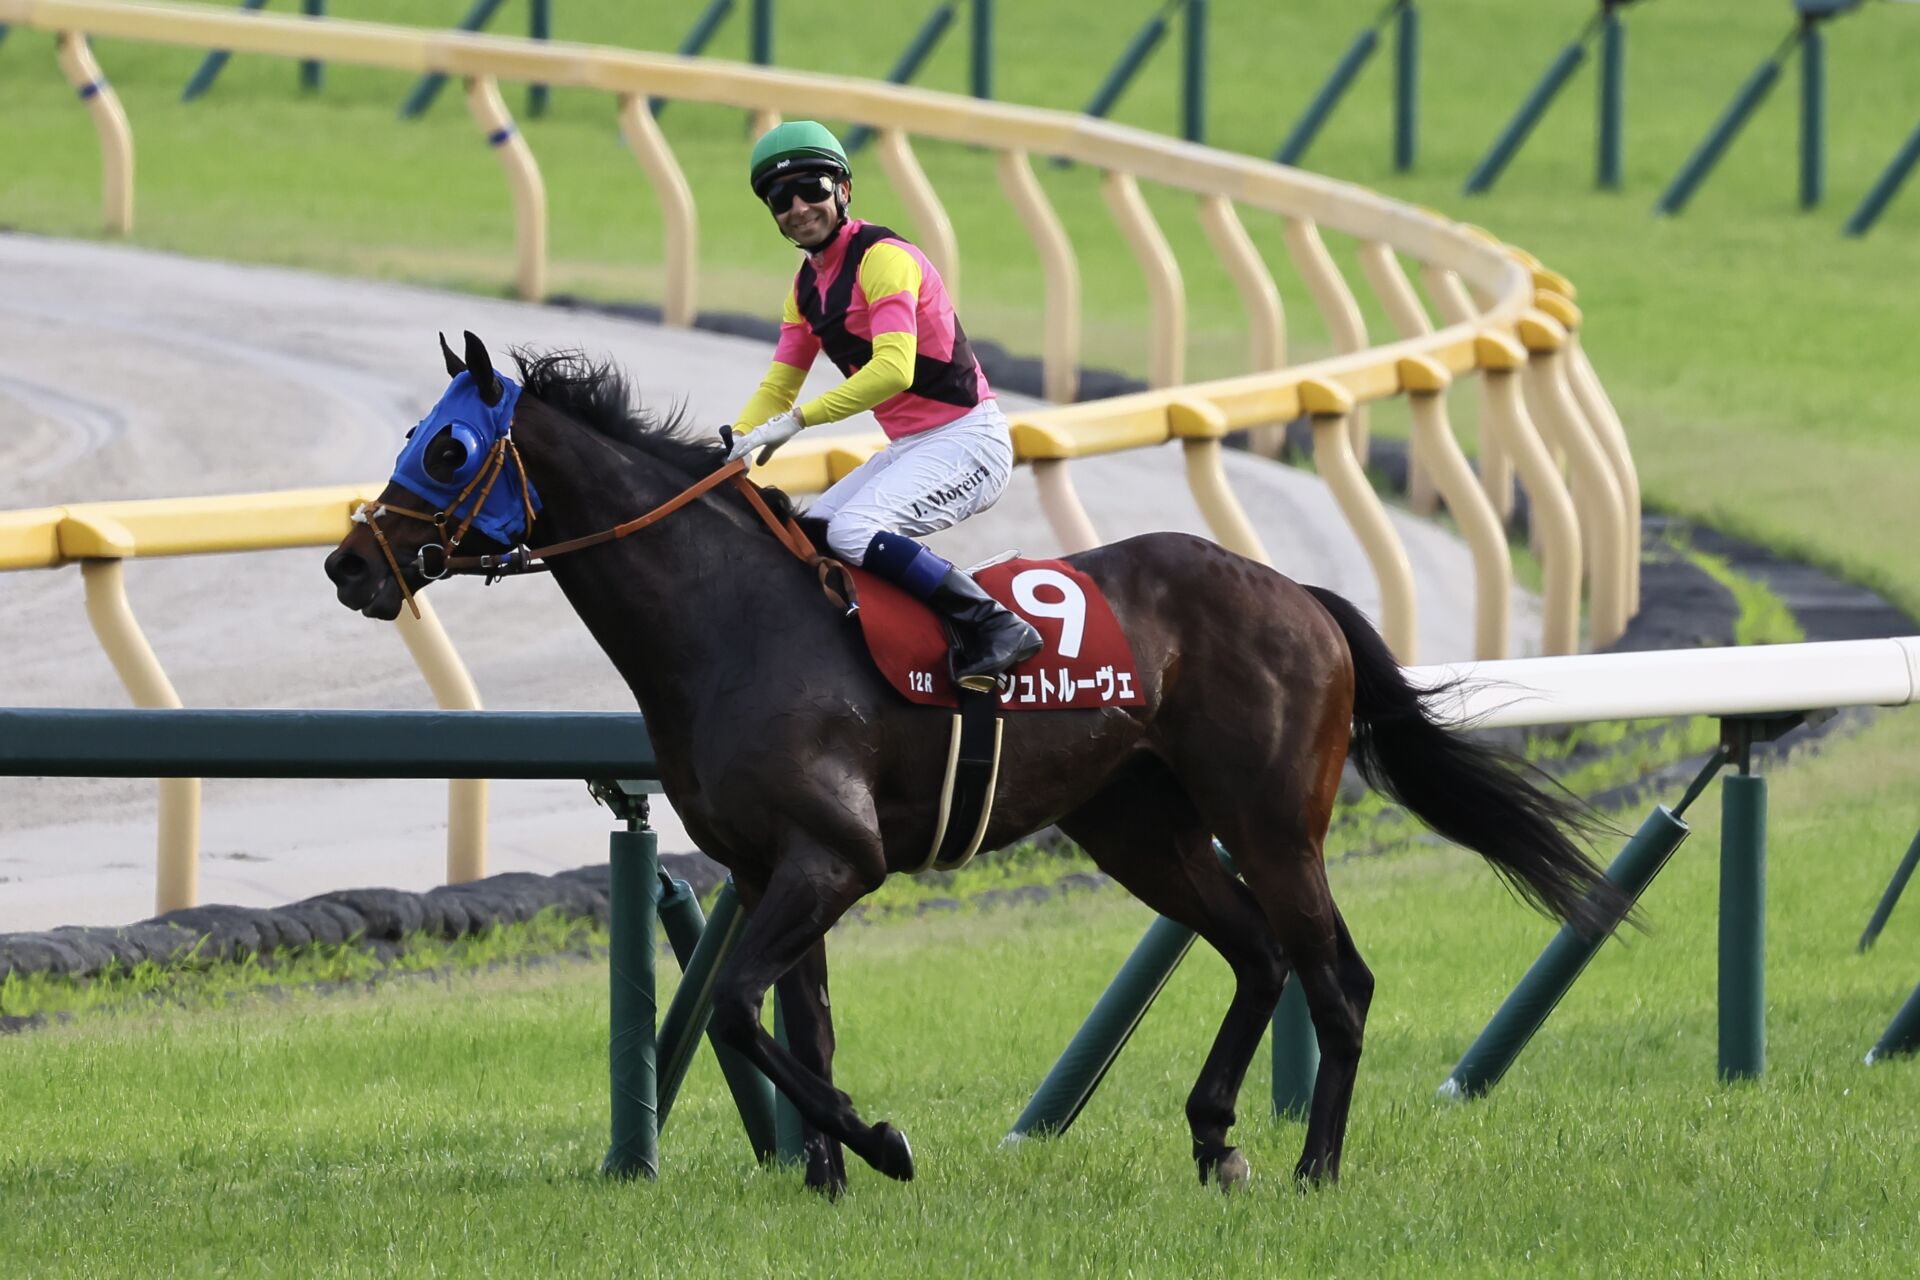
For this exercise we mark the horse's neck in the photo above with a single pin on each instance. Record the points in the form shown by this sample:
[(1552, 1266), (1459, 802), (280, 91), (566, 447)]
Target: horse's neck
[(665, 602)]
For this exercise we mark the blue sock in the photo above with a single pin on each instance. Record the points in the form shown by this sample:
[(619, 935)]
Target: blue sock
[(905, 563)]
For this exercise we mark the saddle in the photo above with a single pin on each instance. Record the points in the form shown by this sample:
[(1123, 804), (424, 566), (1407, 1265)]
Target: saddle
[(1086, 663)]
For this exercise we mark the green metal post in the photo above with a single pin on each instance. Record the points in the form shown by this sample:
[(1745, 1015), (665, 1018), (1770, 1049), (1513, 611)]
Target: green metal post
[(696, 39), (1406, 87), (540, 27), (1131, 58), (981, 68), (908, 64), (636, 1133), (1902, 1034), (211, 65), (1105, 1032), (1813, 118), (1487, 172), (428, 86), (790, 1140), (1296, 1053), (1566, 957), (1613, 58), (760, 32), (1329, 96), (702, 946), (1885, 186), (1895, 887), (310, 67), (1701, 162), (1193, 75), (1743, 926)]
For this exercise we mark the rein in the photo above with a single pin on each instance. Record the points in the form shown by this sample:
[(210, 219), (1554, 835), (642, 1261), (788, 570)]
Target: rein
[(522, 559)]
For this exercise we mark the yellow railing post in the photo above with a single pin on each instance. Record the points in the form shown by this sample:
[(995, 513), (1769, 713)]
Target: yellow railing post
[(523, 180), (1266, 321), (1060, 343), (932, 228), (649, 147), (1426, 381), (1456, 306), (101, 544), (1596, 495), (1167, 357), (1501, 359), (1199, 425), (453, 690), (110, 123), (1336, 303), (1604, 423), (1409, 318), (1331, 406)]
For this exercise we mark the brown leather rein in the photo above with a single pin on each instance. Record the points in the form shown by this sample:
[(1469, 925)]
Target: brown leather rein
[(522, 559)]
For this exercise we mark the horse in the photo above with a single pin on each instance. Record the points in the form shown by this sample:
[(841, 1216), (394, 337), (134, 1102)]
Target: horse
[(795, 766)]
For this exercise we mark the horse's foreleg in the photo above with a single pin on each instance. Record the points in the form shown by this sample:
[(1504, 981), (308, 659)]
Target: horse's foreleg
[(810, 889), (808, 1017)]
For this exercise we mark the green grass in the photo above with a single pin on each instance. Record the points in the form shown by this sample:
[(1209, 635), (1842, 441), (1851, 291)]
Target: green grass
[(454, 1125)]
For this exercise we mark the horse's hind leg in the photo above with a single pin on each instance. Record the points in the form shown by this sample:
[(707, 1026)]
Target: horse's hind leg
[(1144, 832), (808, 1018), (811, 887)]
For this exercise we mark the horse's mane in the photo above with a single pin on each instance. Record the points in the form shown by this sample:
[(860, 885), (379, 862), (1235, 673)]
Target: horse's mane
[(597, 395)]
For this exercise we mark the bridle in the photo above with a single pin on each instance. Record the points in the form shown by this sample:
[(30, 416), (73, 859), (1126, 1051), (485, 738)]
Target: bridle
[(523, 559)]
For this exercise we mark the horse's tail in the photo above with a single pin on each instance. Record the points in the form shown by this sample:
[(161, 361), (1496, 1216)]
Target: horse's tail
[(1469, 792)]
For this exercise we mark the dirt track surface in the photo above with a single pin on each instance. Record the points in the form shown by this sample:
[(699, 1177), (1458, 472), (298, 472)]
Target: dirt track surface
[(131, 374)]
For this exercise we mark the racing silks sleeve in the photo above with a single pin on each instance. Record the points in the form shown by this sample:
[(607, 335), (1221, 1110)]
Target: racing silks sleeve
[(792, 357)]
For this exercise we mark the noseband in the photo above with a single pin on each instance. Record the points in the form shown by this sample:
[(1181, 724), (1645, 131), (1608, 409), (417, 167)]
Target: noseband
[(521, 559)]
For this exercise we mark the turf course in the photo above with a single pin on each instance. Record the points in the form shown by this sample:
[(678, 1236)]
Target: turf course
[(445, 1127)]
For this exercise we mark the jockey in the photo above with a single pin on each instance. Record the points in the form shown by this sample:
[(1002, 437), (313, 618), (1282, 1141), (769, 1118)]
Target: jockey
[(879, 309)]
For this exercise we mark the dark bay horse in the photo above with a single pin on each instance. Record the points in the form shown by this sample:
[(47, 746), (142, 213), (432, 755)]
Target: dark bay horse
[(795, 766)]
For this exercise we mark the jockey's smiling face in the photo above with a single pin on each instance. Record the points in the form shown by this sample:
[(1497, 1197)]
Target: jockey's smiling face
[(807, 207)]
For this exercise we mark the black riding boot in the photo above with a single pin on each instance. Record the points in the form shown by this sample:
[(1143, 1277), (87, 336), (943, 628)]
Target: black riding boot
[(988, 638)]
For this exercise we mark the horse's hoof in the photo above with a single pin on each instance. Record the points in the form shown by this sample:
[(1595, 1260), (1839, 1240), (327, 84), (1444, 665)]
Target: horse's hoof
[(826, 1173), (892, 1156), (1319, 1172), (1231, 1171)]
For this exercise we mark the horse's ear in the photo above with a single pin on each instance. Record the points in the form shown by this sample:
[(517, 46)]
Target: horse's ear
[(455, 366), (480, 366)]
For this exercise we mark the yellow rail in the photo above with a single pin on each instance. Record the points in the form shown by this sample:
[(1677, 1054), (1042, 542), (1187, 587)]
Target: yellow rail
[(1501, 316)]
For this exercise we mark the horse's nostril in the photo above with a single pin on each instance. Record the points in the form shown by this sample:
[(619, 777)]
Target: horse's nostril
[(344, 566)]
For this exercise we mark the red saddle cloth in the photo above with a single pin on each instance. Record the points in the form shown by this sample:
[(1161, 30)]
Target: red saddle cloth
[(1086, 662)]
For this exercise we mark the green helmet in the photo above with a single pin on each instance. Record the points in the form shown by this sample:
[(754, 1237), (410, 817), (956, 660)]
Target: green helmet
[(798, 146)]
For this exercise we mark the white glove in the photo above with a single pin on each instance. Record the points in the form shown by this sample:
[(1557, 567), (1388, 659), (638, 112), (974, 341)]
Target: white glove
[(766, 437)]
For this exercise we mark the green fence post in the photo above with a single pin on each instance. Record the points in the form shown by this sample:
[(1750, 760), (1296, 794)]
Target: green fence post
[(760, 32), (981, 68), (1885, 186), (696, 39), (702, 946), (428, 86), (540, 27), (1566, 957), (908, 64), (1701, 162), (1613, 58), (1193, 74), (1487, 172), (1902, 1034), (310, 67), (1406, 87), (1743, 926), (1098, 1042), (634, 855), (1813, 118), (211, 65), (1296, 1053), (1324, 102), (1895, 887), (790, 1139)]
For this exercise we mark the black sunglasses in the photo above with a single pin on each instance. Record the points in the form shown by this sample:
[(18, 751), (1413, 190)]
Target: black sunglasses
[(814, 188)]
